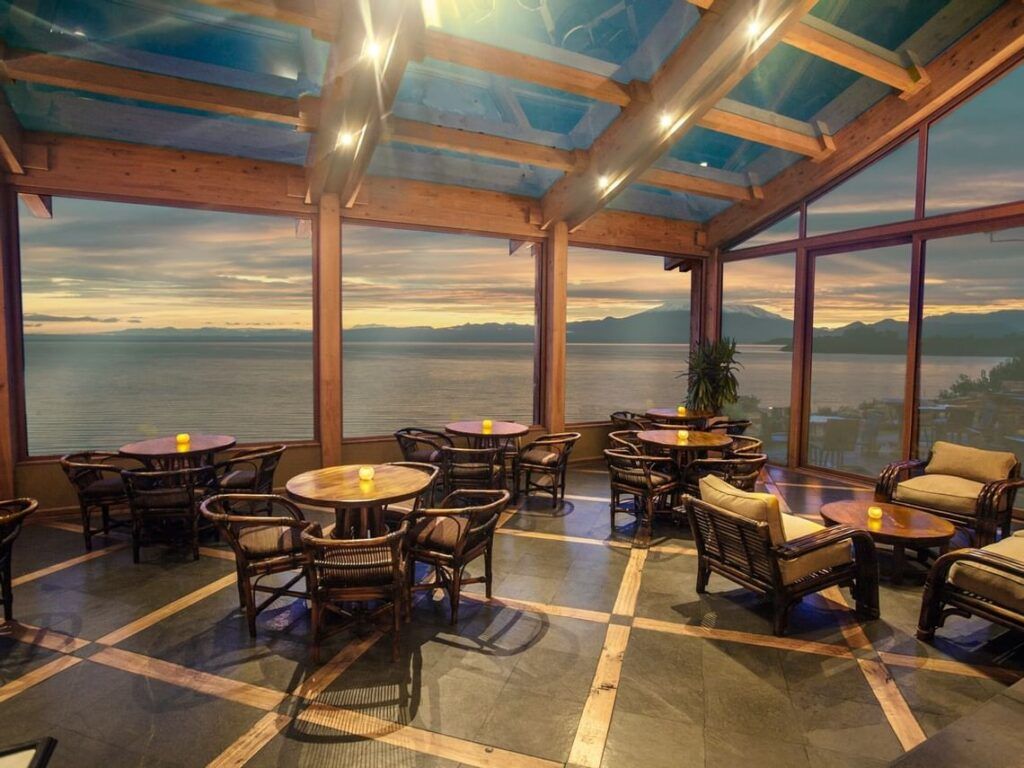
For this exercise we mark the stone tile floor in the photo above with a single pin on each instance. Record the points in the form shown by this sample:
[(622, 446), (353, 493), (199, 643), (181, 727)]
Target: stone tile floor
[(592, 654)]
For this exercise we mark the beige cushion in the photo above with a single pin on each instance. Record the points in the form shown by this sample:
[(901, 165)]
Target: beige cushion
[(440, 534), (762, 507), (945, 492), (267, 540), (971, 463), (795, 527), (240, 479), (540, 456), (994, 585)]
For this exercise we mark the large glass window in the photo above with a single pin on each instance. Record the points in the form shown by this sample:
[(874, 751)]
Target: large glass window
[(858, 364), (785, 229), (972, 342), (975, 155), (143, 321), (883, 192), (627, 333), (437, 327), (757, 311)]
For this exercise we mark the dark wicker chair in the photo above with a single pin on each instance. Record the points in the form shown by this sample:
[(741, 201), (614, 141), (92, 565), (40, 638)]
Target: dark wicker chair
[(741, 471), (743, 445), (625, 439), (422, 446), (12, 514), (249, 470), (643, 478), (786, 565), (395, 513), (630, 420), (971, 488), (162, 501), (266, 541), (453, 535), (986, 582), (547, 456), (731, 427), (340, 571), (96, 477), (472, 468)]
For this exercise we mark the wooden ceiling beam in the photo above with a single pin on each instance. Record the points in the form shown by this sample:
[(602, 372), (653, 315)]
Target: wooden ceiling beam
[(17, 156), (990, 45), (40, 206), (769, 128), (713, 58), (320, 16)]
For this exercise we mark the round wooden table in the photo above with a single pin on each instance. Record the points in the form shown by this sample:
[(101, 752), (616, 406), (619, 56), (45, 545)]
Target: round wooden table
[(671, 416), (695, 441), (900, 527), (358, 504), (165, 453), (479, 437)]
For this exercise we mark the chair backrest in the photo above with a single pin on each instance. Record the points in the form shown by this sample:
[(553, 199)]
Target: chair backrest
[(624, 439), (263, 461), (234, 512), (741, 471), (630, 470), (432, 471), (355, 564), (163, 492), (630, 420), (560, 443), (86, 467), (420, 444), (744, 445), (741, 545), (481, 508), (979, 465), (726, 426), (476, 466), (12, 514)]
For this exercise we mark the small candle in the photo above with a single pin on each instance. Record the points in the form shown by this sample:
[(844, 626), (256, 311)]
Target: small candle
[(183, 439), (487, 424), (681, 410), (683, 434), (875, 513), (366, 473)]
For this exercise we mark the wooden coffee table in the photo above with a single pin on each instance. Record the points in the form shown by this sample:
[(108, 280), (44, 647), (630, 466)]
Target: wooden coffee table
[(900, 527)]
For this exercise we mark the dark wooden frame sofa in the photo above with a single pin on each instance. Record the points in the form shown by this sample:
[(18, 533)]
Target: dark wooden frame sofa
[(972, 488), (12, 514)]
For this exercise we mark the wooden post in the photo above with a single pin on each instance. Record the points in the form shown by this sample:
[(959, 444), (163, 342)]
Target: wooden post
[(711, 297), (10, 342), (803, 330), (912, 385), (556, 281), (327, 276)]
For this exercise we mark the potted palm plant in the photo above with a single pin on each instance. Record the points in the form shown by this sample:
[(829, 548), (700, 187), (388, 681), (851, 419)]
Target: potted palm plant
[(711, 382)]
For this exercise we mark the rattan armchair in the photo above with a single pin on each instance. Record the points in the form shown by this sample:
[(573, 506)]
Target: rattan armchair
[(731, 427), (452, 536), (264, 531), (742, 445), (164, 505), (422, 446), (645, 479), (971, 488), (630, 420), (248, 470), (986, 582), (472, 468), (741, 471), (781, 557), (340, 571), (548, 457), (395, 513), (12, 514), (625, 439), (96, 477)]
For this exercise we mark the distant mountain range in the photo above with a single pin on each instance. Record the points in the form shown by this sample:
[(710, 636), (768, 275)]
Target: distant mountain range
[(999, 333)]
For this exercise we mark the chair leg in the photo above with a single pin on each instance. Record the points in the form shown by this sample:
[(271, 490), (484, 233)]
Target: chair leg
[(780, 615), (455, 592), (86, 530), (195, 538), (249, 602), (612, 507), (105, 510), (488, 571), (7, 592), (136, 541), (396, 608), (315, 617), (703, 574)]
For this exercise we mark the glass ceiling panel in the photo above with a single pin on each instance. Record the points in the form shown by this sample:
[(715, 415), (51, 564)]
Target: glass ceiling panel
[(654, 201)]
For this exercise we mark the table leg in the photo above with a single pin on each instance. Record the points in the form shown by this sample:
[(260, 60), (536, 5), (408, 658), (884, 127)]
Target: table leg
[(899, 563)]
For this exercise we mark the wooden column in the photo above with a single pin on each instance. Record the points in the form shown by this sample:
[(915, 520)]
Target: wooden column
[(800, 385), (913, 381), (10, 342), (327, 275), (711, 297), (556, 281)]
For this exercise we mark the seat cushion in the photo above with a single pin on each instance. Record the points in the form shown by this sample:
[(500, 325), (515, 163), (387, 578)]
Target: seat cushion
[(267, 540), (992, 584), (944, 492), (970, 463), (540, 456), (762, 507), (635, 478), (240, 479), (470, 471), (795, 527), (439, 534), (423, 452), (110, 485)]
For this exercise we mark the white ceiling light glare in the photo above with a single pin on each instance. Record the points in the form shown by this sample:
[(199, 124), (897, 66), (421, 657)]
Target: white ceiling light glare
[(345, 140), (665, 121), (373, 50), (604, 182)]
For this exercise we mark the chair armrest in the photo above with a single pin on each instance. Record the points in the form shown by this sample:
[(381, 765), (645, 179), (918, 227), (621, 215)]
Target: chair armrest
[(993, 492), (940, 569), (821, 539), (893, 474)]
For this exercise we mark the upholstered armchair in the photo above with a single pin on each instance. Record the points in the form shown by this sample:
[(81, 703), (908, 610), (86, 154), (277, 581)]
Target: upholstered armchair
[(746, 538), (986, 582), (547, 458), (972, 488)]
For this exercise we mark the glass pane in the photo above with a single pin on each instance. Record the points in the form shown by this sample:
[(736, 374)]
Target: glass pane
[(780, 231), (143, 321), (757, 311), (628, 334), (437, 327), (883, 192), (975, 156), (972, 342), (858, 362)]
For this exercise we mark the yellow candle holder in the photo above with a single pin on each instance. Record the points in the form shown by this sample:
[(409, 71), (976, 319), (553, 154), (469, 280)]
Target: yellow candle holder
[(487, 424), (366, 474), (681, 410), (875, 513), (183, 439), (683, 435), (874, 525)]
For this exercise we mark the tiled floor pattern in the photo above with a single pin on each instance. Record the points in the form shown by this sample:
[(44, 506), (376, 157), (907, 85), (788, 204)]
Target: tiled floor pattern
[(592, 653)]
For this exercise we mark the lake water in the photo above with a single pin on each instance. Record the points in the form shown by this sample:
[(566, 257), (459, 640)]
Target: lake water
[(99, 393)]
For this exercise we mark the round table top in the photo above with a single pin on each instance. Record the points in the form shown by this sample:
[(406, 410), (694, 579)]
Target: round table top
[(672, 415), (476, 429), (695, 441), (341, 487), (168, 446), (897, 524)]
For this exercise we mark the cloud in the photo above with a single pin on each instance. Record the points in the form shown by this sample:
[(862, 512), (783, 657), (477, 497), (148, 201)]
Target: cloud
[(35, 317)]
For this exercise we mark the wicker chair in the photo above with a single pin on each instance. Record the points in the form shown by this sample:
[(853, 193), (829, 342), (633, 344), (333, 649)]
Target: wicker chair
[(973, 489), (472, 468), (395, 513), (96, 477), (422, 446), (745, 538), (742, 471), (340, 571), (547, 456), (743, 445), (986, 582), (452, 536), (630, 420), (163, 499), (731, 427), (639, 476), (249, 470), (266, 541), (12, 514), (625, 439)]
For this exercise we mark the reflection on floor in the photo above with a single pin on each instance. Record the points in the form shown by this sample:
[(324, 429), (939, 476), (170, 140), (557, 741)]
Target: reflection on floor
[(592, 653)]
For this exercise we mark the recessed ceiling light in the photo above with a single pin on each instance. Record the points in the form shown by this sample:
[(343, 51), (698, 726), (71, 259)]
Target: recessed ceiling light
[(372, 50), (345, 139), (703, 163), (604, 182), (754, 28), (78, 33), (665, 120)]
